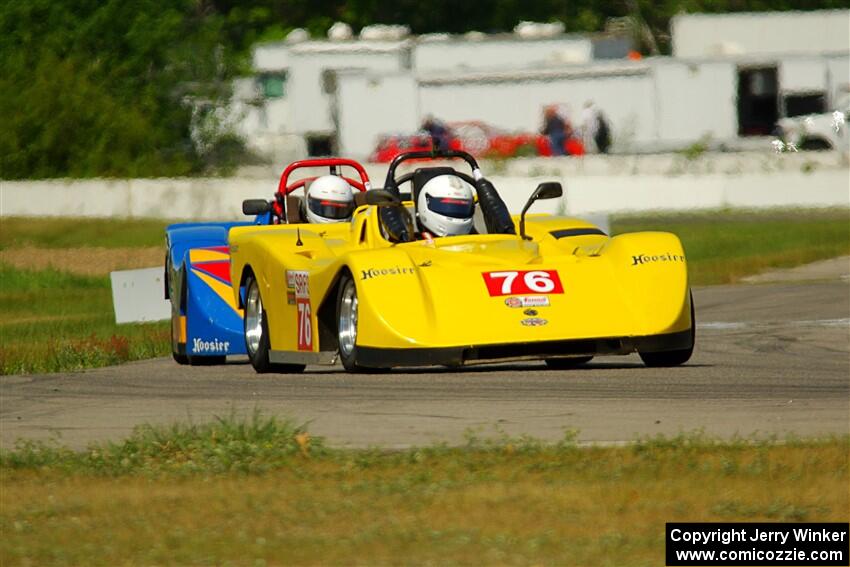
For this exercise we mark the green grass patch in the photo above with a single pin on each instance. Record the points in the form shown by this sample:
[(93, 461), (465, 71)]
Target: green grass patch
[(724, 246), (260, 490), (77, 232), (54, 321)]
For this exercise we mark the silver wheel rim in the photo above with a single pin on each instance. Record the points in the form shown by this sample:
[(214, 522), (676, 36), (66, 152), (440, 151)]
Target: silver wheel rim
[(348, 319), (253, 318)]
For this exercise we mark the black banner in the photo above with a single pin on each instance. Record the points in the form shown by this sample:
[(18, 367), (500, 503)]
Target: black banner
[(806, 544)]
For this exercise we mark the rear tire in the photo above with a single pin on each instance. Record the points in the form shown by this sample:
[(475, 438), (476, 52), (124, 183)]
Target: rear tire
[(567, 363), (257, 339), (668, 358), (346, 317)]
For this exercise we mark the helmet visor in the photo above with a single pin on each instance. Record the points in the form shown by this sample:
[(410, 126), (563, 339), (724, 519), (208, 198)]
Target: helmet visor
[(450, 206), (337, 210)]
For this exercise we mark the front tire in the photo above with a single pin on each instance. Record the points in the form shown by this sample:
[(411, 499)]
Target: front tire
[(257, 333), (179, 358), (346, 312), (668, 358)]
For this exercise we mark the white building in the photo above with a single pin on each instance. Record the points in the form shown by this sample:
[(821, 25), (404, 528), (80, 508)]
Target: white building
[(297, 93), (725, 82), (763, 33)]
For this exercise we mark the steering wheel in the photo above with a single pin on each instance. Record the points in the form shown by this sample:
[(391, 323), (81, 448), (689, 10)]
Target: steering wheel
[(284, 188)]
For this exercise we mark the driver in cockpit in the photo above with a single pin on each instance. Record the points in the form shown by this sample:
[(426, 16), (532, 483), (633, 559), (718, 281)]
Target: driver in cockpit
[(329, 199), (445, 207)]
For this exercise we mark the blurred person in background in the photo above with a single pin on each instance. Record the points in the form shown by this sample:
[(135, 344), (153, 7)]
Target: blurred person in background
[(555, 129), (439, 132), (595, 132)]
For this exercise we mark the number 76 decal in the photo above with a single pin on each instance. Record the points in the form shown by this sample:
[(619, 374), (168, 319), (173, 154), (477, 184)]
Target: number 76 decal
[(523, 283)]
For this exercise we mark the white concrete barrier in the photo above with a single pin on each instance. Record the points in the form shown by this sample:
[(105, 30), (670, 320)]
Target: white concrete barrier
[(590, 194), (221, 198)]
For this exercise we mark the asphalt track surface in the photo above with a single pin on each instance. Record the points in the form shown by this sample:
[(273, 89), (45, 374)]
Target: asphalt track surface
[(770, 359)]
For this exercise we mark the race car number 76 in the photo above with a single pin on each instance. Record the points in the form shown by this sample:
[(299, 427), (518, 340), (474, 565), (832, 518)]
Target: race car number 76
[(523, 282)]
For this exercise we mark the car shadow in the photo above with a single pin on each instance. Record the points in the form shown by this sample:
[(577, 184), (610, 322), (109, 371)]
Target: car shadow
[(498, 367)]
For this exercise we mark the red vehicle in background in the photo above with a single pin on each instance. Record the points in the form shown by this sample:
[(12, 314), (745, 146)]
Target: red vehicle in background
[(394, 144), (477, 138)]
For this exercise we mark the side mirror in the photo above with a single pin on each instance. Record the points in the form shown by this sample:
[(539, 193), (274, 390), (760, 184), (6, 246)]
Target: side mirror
[(381, 198), (547, 190), (255, 207)]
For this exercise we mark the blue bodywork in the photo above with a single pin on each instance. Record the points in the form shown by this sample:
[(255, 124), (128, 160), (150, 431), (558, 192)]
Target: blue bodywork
[(200, 291)]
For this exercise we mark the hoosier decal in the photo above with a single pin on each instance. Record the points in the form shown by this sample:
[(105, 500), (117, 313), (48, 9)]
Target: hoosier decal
[(646, 259), (215, 345), (375, 272)]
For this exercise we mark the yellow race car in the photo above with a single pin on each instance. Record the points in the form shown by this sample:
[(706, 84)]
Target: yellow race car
[(374, 294)]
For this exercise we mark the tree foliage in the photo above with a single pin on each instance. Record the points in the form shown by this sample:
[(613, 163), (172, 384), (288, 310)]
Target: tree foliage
[(93, 87), (102, 87)]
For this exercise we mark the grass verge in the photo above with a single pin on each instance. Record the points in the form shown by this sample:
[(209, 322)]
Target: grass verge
[(53, 321), (724, 246), (262, 491), (77, 232)]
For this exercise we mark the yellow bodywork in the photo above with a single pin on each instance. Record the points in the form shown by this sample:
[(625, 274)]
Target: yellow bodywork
[(433, 294)]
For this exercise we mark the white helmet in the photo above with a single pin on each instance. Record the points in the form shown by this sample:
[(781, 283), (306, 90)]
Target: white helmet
[(329, 199), (445, 206)]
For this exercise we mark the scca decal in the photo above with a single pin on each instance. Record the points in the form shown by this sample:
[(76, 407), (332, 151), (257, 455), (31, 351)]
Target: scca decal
[(523, 283), (300, 280), (646, 259)]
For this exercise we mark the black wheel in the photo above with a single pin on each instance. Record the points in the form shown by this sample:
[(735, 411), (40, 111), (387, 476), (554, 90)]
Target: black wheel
[(672, 357), (257, 333), (175, 315), (567, 363), (346, 313)]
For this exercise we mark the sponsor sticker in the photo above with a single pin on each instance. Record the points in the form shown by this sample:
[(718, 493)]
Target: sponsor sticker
[(648, 259), (214, 345), (300, 280), (377, 272), (527, 301), (534, 322), (523, 282)]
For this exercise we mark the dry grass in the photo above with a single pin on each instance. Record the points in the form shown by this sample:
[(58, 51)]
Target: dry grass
[(83, 261), (510, 503)]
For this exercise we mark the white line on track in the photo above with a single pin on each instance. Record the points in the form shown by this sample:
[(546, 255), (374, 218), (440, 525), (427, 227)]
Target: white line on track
[(738, 325)]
